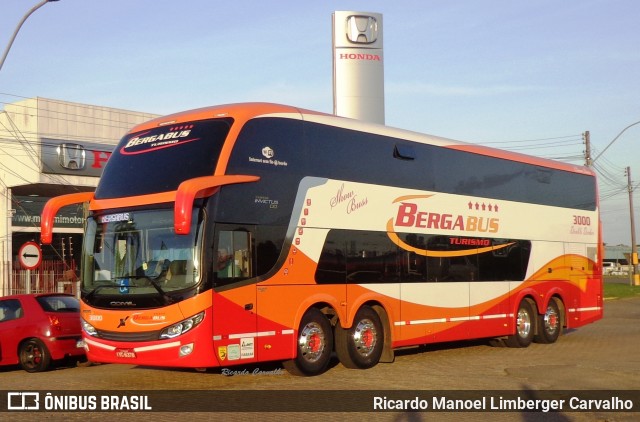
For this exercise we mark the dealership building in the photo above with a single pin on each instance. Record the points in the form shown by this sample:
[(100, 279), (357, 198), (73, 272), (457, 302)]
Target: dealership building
[(49, 148)]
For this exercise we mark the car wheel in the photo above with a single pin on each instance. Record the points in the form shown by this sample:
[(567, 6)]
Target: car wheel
[(34, 356)]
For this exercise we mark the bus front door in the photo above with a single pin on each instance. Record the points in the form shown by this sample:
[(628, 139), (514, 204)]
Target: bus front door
[(234, 302)]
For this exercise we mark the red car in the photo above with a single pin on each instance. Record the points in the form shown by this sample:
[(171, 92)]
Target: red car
[(36, 329)]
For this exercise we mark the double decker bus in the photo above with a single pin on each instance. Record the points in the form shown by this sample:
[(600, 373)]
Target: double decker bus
[(257, 232)]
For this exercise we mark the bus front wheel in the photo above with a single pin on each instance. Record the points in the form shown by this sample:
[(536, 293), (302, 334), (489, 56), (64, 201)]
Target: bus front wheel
[(360, 346), (314, 345), (525, 326)]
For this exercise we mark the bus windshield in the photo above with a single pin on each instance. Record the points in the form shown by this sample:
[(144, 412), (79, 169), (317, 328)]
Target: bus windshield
[(138, 252)]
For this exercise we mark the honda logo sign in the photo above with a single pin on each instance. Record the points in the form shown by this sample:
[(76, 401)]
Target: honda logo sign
[(362, 29), (358, 71), (71, 156), (78, 159)]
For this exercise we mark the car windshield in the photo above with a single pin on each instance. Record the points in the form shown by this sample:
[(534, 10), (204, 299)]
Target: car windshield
[(139, 252)]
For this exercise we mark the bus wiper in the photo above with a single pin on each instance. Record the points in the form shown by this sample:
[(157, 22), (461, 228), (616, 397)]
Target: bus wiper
[(92, 292), (167, 299)]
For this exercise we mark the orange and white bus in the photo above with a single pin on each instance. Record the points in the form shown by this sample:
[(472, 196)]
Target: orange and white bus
[(257, 232)]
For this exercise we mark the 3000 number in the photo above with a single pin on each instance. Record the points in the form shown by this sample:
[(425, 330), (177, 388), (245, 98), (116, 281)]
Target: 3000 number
[(581, 220)]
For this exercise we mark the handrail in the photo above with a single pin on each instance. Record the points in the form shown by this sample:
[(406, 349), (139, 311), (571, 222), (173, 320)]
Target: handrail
[(189, 189), (185, 195), (52, 207)]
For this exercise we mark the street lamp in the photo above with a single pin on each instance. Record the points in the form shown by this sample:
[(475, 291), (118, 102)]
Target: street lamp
[(634, 278), (33, 9), (614, 139), (4, 57)]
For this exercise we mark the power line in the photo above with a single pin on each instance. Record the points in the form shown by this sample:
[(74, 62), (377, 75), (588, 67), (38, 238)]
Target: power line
[(124, 120), (531, 140)]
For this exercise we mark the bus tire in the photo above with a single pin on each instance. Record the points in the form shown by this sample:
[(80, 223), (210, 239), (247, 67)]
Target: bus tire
[(525, 326), (360, 346), (549, 324), (314, 345)]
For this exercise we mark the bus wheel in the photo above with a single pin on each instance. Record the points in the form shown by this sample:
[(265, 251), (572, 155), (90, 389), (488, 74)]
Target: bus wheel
[(360, 346), (314, 345), (549, 324), (525, 326)]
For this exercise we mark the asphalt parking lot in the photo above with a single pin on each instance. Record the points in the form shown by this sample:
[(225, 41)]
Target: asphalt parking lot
[(601, 356)]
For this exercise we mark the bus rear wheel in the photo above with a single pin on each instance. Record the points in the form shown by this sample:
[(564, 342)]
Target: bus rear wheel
[(360, 346), (314, 345), (525, 326), (549, 324)]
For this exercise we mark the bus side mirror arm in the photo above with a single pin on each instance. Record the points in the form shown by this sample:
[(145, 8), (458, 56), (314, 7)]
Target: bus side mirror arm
[(52, 207), (203, 186)]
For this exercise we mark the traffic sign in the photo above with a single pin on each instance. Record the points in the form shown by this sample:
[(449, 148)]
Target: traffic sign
[(30, 255)]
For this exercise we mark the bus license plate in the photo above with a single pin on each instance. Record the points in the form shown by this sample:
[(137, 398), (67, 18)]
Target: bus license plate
[(125, 353)]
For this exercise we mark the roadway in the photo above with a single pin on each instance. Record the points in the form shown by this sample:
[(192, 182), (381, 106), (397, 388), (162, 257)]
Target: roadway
[(600, 356)]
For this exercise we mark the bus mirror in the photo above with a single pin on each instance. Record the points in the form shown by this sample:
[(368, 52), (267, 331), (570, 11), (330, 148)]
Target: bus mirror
[(189, 189), (52, 207)]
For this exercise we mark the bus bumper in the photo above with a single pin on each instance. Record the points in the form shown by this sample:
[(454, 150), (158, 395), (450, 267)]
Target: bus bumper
[(188, 351)]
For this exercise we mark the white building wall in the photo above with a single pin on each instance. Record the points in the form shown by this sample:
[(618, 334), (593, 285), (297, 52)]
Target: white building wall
[(23, 125)]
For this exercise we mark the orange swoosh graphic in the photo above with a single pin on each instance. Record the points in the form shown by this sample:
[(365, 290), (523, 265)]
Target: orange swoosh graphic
[(410, 197), (441, 254)]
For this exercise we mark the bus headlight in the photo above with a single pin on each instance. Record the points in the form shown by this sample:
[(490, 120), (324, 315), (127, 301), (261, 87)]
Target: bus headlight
[(88, 328), (182, 327)]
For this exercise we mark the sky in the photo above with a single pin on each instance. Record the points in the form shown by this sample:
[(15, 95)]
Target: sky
[(527, 76)]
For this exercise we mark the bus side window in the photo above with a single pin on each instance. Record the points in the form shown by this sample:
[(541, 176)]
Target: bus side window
[(233, 261)]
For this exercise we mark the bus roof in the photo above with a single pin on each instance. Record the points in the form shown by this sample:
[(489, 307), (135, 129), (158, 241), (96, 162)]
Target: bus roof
[(242, 112)]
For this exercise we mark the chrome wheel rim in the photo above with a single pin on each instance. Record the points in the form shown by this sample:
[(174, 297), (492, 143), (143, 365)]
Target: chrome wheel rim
[(551, 320), (523, 323), (365, 337), (312, 342)]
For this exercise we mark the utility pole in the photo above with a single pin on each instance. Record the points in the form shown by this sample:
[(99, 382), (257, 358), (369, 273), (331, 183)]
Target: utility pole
[(587, 151), (634, 277)]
